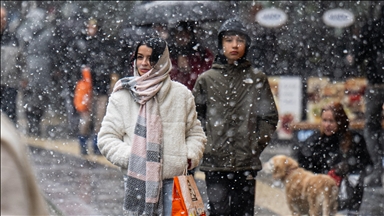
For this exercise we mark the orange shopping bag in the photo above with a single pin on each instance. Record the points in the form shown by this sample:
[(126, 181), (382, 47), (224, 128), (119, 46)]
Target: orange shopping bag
[(186, 198)]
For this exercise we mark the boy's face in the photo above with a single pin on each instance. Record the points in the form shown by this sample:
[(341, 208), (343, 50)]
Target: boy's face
[(233, 47)]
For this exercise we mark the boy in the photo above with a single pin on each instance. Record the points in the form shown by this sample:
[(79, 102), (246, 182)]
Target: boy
[(235, 104)]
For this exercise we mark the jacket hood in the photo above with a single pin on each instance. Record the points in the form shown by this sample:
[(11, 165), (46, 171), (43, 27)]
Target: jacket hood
[(232, 26)]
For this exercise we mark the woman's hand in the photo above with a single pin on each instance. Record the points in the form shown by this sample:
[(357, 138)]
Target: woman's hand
[(341, 168)]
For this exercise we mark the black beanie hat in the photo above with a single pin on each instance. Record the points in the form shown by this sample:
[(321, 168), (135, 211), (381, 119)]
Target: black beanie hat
[(235, 26)]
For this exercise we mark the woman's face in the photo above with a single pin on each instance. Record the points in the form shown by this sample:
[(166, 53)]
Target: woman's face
[(328, 123), (233, 47), (143, 62)]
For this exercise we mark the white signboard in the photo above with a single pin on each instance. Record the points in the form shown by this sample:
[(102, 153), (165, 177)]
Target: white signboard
[(271, 17), (290, 98), (338, 18)]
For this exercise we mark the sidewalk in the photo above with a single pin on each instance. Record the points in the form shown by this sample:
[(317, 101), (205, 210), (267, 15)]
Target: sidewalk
[(97, 175), (78, 185)]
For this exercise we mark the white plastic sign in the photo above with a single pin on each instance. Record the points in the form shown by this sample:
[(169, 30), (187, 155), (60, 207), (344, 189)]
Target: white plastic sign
[(271, 17), (338, 18)]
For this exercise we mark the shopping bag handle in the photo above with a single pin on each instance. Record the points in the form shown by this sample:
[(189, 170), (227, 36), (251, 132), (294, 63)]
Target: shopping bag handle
[(185, 172)]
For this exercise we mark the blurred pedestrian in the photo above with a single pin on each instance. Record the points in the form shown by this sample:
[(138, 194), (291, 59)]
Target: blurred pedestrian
[(370, 57), (36, 37), (263, 53), (83, 105), (151, 130), (10, 68), (20, 194), (189, 57), (162, 29), (71, 51), (99, 58), (237, 110), (340, 152)]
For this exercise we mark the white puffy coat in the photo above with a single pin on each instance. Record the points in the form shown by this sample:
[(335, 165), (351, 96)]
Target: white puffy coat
[(183, 136)]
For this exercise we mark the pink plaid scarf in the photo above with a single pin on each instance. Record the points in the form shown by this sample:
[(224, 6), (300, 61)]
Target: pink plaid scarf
[(144, 184)]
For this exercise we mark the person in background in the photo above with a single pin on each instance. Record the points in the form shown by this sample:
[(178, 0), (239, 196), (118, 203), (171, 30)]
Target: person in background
[(370, 58), (71, 49), (99, 59), (20, 194), (10, 70), (235, 104), (36, 38), (189, 58), (83, 104), (340, 152), (151, 128), (162, 30)]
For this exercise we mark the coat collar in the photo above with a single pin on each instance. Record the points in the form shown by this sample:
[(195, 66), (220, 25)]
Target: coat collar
[(164, 91), (231, 68)]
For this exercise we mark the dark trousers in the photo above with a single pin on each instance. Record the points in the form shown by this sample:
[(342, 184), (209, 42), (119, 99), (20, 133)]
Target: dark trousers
[(34, 116), (8, 102), (355, 197), (230, 193)]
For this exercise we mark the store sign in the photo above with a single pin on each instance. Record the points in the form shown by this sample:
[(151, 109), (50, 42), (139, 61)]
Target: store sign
[(338, 18), (288, 95), (271, 17)]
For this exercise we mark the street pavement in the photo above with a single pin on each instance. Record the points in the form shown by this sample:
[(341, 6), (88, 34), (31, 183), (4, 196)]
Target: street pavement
[(90, 185), (77, 185)]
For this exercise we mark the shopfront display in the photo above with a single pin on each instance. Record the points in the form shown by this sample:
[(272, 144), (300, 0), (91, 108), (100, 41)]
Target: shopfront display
[(319, 92)]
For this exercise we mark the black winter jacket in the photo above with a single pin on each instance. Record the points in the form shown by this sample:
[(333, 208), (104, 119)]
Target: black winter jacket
[(320, 154), (100, 57), (238, 113)]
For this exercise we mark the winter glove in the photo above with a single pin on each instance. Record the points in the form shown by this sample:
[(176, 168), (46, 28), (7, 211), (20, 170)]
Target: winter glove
[(341, 169)]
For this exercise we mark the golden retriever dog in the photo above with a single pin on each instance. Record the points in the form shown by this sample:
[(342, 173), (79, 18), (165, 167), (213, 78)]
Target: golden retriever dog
[(307, 193)]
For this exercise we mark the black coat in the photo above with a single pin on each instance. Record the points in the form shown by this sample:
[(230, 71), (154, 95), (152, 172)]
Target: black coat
[(10, 60), (238, 113), (101, 58), (71, 49), (320, 154)]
